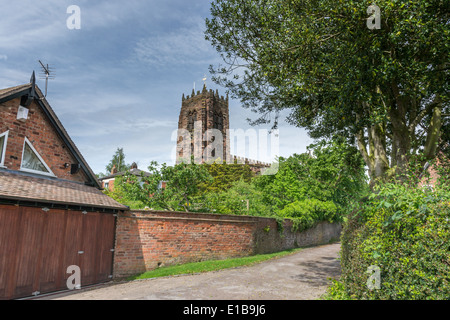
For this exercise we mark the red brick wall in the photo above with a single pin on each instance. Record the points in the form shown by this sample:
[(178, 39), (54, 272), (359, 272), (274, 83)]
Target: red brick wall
[(152, 239), (146, 240), (39, 131)]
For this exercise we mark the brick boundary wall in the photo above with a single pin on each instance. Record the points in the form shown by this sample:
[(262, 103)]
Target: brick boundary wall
[(146, 240)]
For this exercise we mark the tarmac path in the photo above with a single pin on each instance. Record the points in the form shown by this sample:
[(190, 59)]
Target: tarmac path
[(304, 275)]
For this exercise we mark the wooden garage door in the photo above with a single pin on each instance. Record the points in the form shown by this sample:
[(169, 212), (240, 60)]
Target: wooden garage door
[(37, 246)]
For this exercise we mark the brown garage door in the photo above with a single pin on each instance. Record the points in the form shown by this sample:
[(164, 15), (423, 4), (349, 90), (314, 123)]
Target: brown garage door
[(37, 246)]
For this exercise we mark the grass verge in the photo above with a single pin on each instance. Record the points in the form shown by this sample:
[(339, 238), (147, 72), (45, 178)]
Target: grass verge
[(212, 265)]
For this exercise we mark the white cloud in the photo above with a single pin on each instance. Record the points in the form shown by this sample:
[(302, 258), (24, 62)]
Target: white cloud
[(107, 14), (12, 77), (150, 142), (25, 24), (184, 45), (119, 79), (124, 126)]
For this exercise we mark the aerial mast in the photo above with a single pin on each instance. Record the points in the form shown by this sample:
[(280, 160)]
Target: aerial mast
[(46, 73)]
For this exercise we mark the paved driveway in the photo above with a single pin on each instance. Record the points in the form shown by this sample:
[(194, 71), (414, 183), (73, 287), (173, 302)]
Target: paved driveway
[(301, 276)]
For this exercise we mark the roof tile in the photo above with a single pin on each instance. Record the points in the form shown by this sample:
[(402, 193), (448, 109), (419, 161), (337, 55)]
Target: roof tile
[(22, 187)]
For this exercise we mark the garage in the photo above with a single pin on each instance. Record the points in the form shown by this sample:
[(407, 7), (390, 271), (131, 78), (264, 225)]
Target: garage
[(53, 213), (37, 245), (41, 238)]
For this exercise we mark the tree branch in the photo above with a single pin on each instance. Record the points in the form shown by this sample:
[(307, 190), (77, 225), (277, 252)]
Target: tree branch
[(362, 146), (421, 115)]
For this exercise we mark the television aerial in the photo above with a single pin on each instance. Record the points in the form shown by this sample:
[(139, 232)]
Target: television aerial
[(46, 73)]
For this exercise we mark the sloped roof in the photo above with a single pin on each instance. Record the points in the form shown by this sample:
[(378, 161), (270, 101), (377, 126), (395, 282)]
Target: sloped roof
[(13, 90), (17, 186), (134, 171), (18, 91)]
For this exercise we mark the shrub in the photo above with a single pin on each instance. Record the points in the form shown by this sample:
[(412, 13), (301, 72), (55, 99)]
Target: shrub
[(306, 213), (234, 200), (406, 233)]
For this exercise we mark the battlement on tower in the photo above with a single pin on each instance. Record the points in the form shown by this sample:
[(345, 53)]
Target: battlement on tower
[(255, 165), (205, 93), (206, 110)]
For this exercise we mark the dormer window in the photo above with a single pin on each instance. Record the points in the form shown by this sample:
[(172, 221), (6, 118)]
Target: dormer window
[(3, 139), (32, 161)]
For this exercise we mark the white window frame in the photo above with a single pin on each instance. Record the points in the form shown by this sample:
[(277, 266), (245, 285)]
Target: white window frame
[(2, 156), (107, 183), (49, 173)]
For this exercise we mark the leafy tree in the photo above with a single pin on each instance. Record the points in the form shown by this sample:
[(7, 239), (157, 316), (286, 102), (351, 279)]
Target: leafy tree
[(118, 160), (310, 187), (224, 175), (100, 175), (386, 89), (181, 186), (241, 198), (330, 171)]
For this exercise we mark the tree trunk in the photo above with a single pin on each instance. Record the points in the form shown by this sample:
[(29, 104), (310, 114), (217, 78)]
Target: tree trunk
[(376, 157), (433, 134), (401, 143)]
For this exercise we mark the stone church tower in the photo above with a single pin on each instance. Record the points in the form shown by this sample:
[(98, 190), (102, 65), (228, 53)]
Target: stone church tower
[(200, 112)]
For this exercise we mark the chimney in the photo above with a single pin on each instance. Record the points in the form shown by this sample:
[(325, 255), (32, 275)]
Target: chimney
[(114, 169)]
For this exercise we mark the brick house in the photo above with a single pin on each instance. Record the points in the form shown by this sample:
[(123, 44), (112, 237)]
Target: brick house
[(53, 213)]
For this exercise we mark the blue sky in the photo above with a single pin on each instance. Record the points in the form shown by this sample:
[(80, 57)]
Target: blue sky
[(120, 77)]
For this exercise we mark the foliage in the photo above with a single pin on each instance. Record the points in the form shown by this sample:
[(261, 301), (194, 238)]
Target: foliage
[(181, 186), (330, 171), (387, 89), (308, 188), (100, 175), (307, 213), (118, 160), (120, 195), (336, 291), (235, 200), (406, 233), (442, 167), (224, 175)]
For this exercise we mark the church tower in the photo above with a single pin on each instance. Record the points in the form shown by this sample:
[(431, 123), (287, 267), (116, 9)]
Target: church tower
[(199, 113)]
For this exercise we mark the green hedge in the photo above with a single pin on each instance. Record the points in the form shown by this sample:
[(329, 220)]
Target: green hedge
[(307, 213), (406, 233)]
